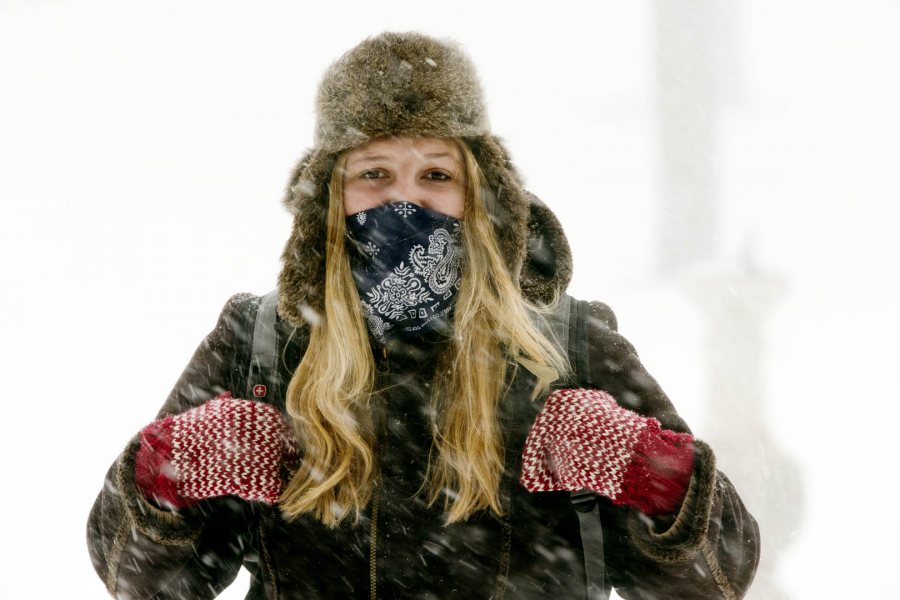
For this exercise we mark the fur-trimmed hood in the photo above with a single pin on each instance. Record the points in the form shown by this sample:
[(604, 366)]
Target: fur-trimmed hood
[(411, 84)]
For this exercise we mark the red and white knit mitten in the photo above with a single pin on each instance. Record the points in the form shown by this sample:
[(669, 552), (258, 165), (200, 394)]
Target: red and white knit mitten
[(226, 446), (583, 439)]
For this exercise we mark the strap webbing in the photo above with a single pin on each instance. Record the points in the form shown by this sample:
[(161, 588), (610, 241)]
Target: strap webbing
[(264, 352), (585, 502), (587, 509), (559, 324), (578, 343), (568, 328)]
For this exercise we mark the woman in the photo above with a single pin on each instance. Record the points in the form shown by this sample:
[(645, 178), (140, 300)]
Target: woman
[(403, 444)]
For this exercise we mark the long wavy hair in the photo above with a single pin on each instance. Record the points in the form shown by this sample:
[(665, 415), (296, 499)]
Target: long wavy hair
[(331, 395)]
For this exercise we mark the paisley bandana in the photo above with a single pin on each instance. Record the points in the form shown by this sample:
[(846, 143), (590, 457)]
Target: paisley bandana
[(405, 260)]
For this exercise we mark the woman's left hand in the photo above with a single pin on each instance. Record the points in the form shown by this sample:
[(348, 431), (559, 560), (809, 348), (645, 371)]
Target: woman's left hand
[(582, 439)]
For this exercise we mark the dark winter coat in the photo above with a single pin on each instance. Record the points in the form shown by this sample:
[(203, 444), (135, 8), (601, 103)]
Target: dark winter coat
[(710, 549), (411, 84)]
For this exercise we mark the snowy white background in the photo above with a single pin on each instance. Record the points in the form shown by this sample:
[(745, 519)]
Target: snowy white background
[(143, 152)]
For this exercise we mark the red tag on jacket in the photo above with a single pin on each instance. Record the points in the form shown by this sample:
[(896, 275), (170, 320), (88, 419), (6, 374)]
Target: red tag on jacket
[(259, 391)]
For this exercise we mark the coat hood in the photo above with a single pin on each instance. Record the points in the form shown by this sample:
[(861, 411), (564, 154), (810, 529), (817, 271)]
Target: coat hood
[(414, 85)]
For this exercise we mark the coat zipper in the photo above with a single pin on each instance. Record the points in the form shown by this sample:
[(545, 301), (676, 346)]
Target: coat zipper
[(373, 521), (373, 542), (503, 570)]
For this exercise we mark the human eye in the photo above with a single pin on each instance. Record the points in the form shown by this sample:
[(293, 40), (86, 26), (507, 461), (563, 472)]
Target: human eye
[(372, 174), (438, 175)]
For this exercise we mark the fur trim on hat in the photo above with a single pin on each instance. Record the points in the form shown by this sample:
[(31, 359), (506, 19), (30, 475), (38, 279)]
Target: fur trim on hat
[(410, 84), (399, 84)]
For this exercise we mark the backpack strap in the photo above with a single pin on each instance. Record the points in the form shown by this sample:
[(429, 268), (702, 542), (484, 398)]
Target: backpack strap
[(585, 502), (568, 327), (264, 348), (588, 510), (556, 325), (579, 352)]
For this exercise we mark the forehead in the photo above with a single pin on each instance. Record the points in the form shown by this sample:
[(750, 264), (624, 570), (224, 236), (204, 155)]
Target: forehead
[(397, 146)]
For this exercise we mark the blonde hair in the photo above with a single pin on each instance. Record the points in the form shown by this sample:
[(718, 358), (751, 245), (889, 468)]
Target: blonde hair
[(330, 396)]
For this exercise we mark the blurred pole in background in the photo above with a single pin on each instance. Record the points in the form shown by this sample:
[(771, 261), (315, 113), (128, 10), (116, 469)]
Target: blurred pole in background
[(697, 63), (687, 104)]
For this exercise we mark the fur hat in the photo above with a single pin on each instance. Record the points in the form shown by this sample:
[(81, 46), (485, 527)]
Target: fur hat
[(411, 84)]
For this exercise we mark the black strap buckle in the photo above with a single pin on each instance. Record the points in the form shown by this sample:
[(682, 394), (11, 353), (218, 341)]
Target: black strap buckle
[(584, 500)]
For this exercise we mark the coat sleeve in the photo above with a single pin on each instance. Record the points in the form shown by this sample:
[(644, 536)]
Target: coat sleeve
[(140, 551), (710, 548)]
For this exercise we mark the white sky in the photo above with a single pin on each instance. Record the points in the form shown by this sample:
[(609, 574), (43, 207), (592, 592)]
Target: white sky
[(143, 152)]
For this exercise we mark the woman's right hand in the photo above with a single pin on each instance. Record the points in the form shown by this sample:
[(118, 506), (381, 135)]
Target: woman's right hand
[(226, 446)]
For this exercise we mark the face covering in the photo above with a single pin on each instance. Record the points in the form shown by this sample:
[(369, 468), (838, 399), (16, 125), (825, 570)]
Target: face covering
[(405, 261)]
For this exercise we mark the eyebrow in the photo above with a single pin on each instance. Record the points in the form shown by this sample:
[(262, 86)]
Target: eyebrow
[(368, 157)]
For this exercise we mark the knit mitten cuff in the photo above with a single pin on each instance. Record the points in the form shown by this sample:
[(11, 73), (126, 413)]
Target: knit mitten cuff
[(657, 477), (154, 473)]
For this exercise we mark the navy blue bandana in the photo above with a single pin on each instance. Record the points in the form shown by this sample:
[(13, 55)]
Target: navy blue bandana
[(405, 260)]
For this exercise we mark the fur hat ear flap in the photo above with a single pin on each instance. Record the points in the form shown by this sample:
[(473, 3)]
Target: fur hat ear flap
[(506, 201), (301, 283), (309, 181), (548, 270)]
